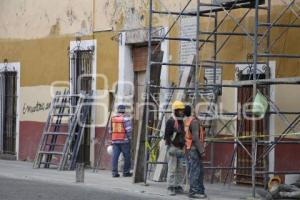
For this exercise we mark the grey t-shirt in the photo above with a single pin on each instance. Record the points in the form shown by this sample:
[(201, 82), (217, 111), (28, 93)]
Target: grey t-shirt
[(195, 128)]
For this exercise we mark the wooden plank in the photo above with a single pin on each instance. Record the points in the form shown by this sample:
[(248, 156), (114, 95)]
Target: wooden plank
[(139, 58), (185, 80)]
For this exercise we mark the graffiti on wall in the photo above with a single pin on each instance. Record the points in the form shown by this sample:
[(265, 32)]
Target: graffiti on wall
[(36, 107)]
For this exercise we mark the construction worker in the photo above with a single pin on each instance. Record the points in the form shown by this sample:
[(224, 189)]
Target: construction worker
[(121, 129), (174, 138), (277, 190), (194, 144)]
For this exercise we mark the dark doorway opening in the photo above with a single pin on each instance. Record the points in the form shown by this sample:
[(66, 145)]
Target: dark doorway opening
[(81, 80), (8, 119)]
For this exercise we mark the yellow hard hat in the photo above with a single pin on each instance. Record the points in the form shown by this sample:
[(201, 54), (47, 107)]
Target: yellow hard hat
[(274, 178), (177, 105)]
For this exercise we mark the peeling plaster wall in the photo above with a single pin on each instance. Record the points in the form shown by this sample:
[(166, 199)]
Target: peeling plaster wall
[(121, 14), (27, 19), (131, 14)]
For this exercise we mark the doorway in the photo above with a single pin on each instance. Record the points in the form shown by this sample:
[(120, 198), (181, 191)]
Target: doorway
[(139, 59), (8, 113), (244, 129), (82, 70)]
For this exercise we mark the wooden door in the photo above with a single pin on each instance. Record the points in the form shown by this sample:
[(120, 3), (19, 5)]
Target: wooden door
[(244, 128)]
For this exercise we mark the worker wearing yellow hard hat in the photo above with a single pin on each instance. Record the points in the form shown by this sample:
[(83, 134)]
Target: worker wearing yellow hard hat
[(273, 183), (175, 141), (279, 190), (178, 105)]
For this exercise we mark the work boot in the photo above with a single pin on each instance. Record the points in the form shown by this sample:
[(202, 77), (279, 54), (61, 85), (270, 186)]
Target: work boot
[(127, 174), (116, 175), (194, 195), (202, 196), (172, 191), (179, 190)]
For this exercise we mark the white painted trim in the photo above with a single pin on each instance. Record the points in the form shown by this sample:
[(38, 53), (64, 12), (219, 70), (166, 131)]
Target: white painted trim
[(164, 77), (242, 67), (121, 66), (272, 65), (85, 45), (126, 73), (16, 66)]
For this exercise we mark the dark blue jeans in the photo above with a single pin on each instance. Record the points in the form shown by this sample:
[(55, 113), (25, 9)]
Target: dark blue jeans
[(195, 171), (117, 150)]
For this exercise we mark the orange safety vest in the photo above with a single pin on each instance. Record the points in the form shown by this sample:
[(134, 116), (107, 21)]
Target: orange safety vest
[(188, 134), (118, 130)]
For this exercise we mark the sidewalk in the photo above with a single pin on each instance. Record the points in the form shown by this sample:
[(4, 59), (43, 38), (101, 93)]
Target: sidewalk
[(102, 179)]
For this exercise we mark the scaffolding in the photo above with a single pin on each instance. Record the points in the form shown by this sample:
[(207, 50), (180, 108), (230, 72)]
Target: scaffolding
[(258, 79)]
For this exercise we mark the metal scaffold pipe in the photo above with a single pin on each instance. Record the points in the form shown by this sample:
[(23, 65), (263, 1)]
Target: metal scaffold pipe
[(254, 147)]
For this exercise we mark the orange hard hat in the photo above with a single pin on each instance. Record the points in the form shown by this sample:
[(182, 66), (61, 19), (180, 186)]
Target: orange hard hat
[(274, 178)]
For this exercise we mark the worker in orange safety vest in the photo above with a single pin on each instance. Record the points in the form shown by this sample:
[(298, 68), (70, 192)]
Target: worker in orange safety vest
[(121, 128), (194, 147)]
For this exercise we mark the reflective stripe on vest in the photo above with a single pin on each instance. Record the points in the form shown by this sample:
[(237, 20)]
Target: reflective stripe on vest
[(118, 130), (188, 134)]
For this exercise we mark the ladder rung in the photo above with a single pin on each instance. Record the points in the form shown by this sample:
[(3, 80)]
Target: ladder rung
[(50, 163), (64, 106), (51, 152), (55, 124), (152, 136), (62, 114), (157, 163), (58, 145), (56, 133)]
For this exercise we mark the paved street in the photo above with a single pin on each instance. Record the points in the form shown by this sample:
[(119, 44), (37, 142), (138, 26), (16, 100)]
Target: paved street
[(15, 189), (19, 181)]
